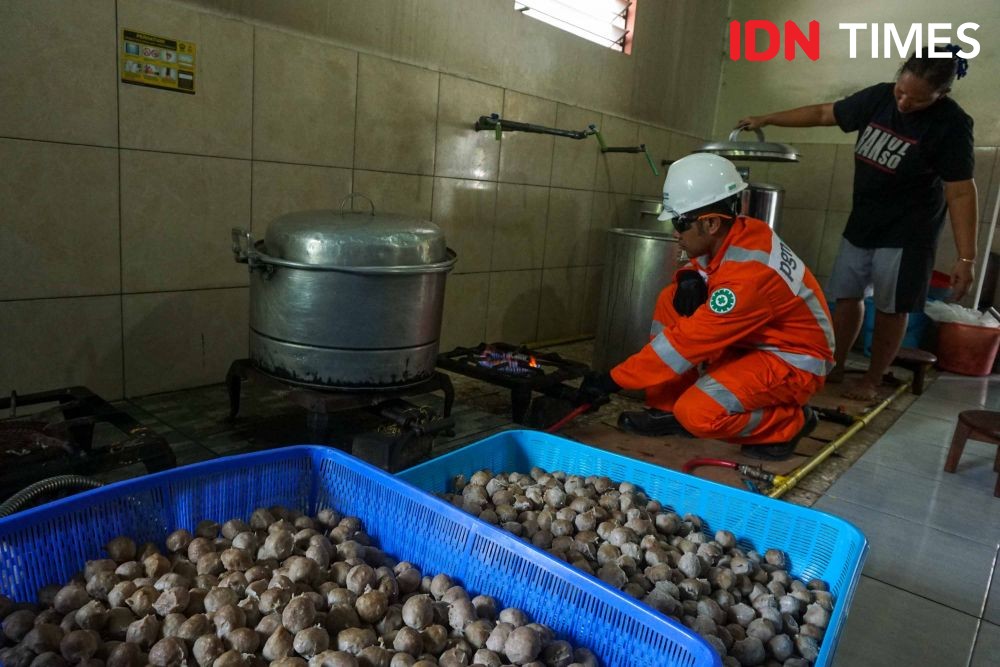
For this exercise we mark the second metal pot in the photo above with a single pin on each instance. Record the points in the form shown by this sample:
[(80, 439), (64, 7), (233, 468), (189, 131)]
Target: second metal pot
[(638, 264), (763, 201)]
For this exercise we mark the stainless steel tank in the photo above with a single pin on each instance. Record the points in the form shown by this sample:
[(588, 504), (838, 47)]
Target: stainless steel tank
[(345, 299), (763, 201), (638, 264), (643, 213)]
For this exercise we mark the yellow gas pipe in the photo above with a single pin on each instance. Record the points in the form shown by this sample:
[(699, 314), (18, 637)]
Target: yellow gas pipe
[(783, 483)]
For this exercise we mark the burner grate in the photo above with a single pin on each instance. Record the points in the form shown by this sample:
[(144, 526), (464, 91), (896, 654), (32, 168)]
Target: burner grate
[(528, 371), (59, 440), (509, 363)]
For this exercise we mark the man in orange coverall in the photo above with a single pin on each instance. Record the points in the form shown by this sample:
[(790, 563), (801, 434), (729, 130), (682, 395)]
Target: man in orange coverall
[(740, 340)]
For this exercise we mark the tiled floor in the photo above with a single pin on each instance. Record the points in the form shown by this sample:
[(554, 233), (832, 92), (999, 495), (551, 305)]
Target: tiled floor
[(930, 592)]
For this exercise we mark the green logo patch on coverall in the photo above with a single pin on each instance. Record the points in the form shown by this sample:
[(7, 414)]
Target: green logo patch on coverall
[(722, 301)]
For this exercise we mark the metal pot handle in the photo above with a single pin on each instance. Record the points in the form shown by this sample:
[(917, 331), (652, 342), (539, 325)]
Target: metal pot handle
[(249, 254), (242, 253), (351, 197), (735, 134)]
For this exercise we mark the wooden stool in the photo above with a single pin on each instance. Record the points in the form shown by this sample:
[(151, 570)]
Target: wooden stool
[(918, 361), (981, 425)]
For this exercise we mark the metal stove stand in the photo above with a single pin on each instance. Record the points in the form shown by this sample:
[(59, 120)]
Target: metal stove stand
[(403, 440), (59, 440)]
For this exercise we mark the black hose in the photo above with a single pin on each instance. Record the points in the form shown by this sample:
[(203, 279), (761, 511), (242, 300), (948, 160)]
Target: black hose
[(25, 496)]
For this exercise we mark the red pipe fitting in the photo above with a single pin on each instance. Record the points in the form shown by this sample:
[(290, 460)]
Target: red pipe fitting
[(720, 463)]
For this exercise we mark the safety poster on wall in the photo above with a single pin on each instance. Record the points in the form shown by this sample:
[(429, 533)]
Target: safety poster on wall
[(157, 62)]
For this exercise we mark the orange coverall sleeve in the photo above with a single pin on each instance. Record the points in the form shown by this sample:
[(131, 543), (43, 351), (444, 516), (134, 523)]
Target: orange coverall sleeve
[(685, 342)]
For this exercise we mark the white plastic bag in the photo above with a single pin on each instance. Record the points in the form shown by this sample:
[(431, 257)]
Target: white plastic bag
[(940, 311)]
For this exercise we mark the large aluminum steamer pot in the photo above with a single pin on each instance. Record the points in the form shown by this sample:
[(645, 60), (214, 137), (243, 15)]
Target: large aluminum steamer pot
[(638, 264), (346, 299)]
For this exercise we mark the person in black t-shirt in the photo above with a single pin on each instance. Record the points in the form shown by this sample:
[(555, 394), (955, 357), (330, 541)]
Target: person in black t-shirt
[(913, 161)]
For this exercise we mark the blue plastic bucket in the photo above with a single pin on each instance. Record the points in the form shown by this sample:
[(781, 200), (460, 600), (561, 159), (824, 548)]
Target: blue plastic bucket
[(916, 328)]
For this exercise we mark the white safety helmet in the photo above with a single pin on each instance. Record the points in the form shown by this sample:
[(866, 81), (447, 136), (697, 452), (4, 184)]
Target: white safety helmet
[(698, 180)]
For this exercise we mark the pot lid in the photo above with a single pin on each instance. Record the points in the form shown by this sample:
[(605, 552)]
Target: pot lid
[(759, 151), (346, 237)]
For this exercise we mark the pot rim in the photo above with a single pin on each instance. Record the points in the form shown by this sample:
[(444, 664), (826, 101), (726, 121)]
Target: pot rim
[(445, 266)]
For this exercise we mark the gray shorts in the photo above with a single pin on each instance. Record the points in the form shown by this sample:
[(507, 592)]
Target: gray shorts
[(897, 278)]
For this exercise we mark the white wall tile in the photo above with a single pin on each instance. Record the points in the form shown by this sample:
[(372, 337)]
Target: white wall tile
[(175, 340), (59, 225), (56, 343)]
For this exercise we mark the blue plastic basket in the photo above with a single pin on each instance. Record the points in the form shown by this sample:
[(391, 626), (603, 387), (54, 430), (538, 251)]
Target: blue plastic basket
[(50, 543), (818, 545)]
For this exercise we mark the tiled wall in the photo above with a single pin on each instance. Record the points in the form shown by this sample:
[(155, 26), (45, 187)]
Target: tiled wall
[(115, 265)]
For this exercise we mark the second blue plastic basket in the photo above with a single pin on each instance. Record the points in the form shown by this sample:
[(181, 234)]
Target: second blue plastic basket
[(50, 543), (818, 545)]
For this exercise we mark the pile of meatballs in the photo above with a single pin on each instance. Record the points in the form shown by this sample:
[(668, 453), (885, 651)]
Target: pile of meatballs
[(744, 603), (282, 589)]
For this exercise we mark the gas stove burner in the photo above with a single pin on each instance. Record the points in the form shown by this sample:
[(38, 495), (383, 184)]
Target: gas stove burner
[(511, 363), (518, 368), (56, 436), (22, 438)]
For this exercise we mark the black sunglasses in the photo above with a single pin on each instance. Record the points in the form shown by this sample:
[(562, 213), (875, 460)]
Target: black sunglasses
[(685, 221)]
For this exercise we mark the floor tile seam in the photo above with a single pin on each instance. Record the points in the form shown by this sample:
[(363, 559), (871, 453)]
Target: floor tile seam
[(905, 431), (930, 396), (910, 412), (925, 410), (913, 441), (975, 640), (927, 440), (147, 413), (946, 481), (956, 477), (989, 585), (987, 621), (190, 436), (969, 459), (992, 545), (933, 601)]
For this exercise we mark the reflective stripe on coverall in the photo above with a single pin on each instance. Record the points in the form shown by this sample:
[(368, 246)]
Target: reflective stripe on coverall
[(764, 335)]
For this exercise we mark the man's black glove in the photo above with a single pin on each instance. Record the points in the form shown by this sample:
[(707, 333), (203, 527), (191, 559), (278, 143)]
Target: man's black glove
[(691, 293), (595, 389)]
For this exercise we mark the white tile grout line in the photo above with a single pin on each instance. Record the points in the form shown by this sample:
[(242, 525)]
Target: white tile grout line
[(982, 611), (975, 639), (978, 619), (989, 582), (902, 518)]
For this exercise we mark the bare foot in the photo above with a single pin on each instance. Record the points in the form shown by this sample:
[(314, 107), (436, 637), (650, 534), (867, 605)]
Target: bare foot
[(862, 390), (836, 376)]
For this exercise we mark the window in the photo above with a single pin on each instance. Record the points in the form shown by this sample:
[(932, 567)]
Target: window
[(606, 22)]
